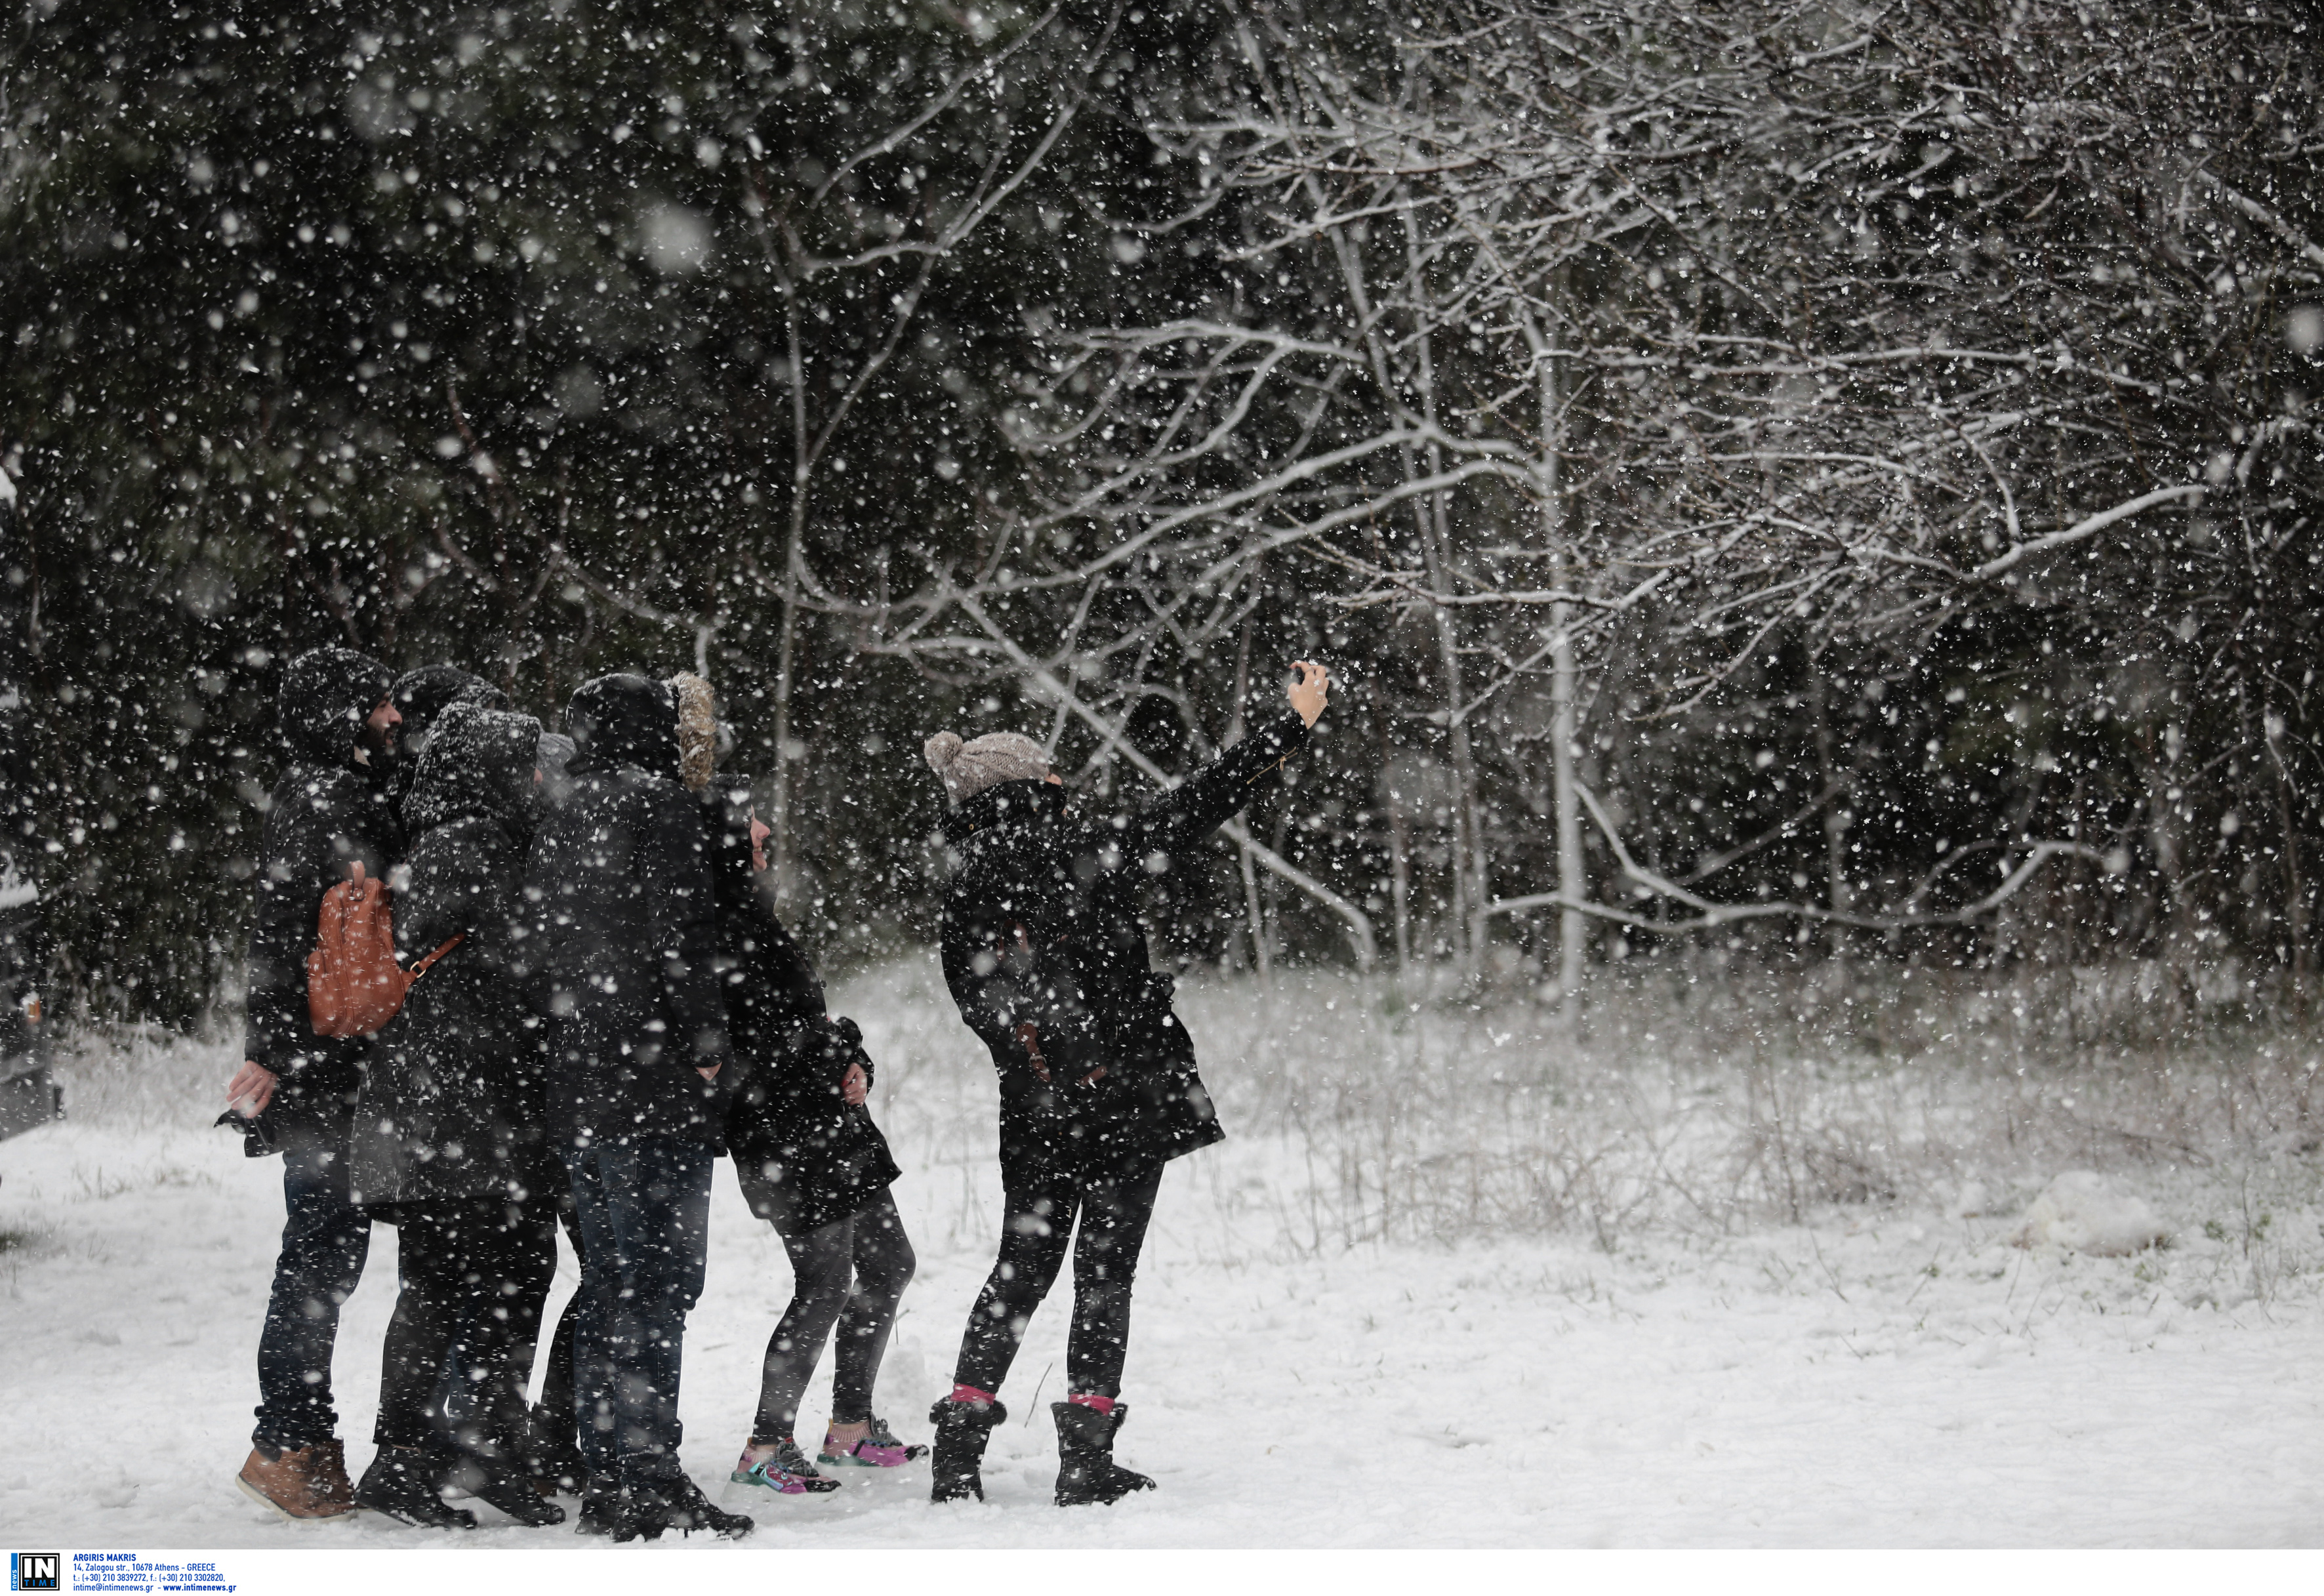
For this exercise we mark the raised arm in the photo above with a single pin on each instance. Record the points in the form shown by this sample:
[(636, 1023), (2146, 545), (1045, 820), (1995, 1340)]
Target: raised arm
[(1209, 797)]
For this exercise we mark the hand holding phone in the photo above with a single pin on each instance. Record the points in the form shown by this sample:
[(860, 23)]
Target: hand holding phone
[(250, 1091)]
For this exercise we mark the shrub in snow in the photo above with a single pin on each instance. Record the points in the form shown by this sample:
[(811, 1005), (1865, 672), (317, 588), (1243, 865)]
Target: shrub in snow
[(2081, 1212)]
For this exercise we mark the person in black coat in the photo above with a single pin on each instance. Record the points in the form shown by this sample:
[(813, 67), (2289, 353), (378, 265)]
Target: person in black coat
[(295, 1091), (419, 696), (1045, 955), (449, 1144), (811, 1163), (553, 1446), (626, 966)]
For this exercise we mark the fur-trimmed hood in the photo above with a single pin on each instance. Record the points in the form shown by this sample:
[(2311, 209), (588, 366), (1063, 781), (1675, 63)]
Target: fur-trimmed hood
[(698, 730)]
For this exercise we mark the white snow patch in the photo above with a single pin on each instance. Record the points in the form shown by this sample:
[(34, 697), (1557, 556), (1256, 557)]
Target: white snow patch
[(2081, 1211), (1880, 1375)]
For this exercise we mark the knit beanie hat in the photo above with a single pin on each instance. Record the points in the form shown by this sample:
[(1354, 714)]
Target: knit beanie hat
[(969, 768)]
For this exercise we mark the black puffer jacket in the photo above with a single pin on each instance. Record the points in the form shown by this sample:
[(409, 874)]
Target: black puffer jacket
[(1040, 928), (786, 1113), (419, 696), (328, 811), (626, 960), (452, 1101)]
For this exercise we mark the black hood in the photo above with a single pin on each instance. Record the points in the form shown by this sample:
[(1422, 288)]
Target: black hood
[(726, 822), (1006, 802), (420, 697), (326, 696), (422, 694), (478, 763), (624, 720)]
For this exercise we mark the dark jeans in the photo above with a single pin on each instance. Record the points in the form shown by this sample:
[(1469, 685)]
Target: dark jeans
[(869, 1245), (325, 1239), (1113, 1211), (475, 1274), (644, 1212)]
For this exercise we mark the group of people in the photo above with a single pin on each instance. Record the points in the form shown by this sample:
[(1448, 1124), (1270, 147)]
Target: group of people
[(596, 1001)]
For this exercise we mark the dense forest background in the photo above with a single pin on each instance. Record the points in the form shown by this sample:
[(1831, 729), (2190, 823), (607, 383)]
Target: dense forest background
[(1787, 480)]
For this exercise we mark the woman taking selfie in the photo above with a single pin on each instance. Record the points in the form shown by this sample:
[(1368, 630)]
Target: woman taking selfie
[(1046, 957)]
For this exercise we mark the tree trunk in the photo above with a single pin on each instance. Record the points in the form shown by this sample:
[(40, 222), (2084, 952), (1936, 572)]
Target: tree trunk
[(1399, 852), (1261, 955), (1470, 895), (1565, 714), (2295, 886), (785, 651), (1838, 815), (16, 768)]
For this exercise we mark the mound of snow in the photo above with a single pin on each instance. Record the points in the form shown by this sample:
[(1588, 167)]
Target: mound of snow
[(2081, 1212)]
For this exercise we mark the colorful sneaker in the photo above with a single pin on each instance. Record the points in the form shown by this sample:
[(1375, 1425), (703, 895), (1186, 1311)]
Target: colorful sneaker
[(877, 1450), (785, 1473)]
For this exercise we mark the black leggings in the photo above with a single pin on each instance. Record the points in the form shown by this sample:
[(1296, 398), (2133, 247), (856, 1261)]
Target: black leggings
[(475, 1274), (1113, 1211), (871, 1246)]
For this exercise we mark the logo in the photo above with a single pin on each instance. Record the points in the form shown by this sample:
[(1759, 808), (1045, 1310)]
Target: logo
[(34, 1571)]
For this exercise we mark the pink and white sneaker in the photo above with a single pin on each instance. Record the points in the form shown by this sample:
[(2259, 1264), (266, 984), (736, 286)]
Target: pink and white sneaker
[(785, 1473), (877, 1450)]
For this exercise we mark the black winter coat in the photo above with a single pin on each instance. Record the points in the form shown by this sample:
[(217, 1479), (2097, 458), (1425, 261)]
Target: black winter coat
[(625, 965), (1040, 929), (787, 1115), (328, 811), (452, 1101)]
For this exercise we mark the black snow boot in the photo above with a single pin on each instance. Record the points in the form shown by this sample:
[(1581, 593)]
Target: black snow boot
[(551, 1452), (674, 1502), (1086, 1471), (502, 1484), (961, 1430), (402, 1483), (601, 1506)]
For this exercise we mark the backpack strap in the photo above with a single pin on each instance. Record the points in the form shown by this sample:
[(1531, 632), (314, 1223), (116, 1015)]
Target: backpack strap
[(424, 965)]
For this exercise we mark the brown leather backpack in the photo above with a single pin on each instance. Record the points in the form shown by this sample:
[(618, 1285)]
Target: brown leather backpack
[(353, 984)]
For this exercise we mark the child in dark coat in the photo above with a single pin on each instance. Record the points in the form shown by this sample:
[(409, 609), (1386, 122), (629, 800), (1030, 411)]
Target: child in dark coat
[(811, 1163)]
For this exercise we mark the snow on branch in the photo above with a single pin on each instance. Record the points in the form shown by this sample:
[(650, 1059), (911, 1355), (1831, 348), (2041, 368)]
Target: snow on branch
[(1710, 915)]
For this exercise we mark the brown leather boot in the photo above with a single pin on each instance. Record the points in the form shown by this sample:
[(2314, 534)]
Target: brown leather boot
[(310, 1482)]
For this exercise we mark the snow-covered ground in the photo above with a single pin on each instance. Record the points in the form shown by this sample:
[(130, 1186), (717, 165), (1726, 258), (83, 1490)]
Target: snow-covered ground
[(1882, 1374)]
